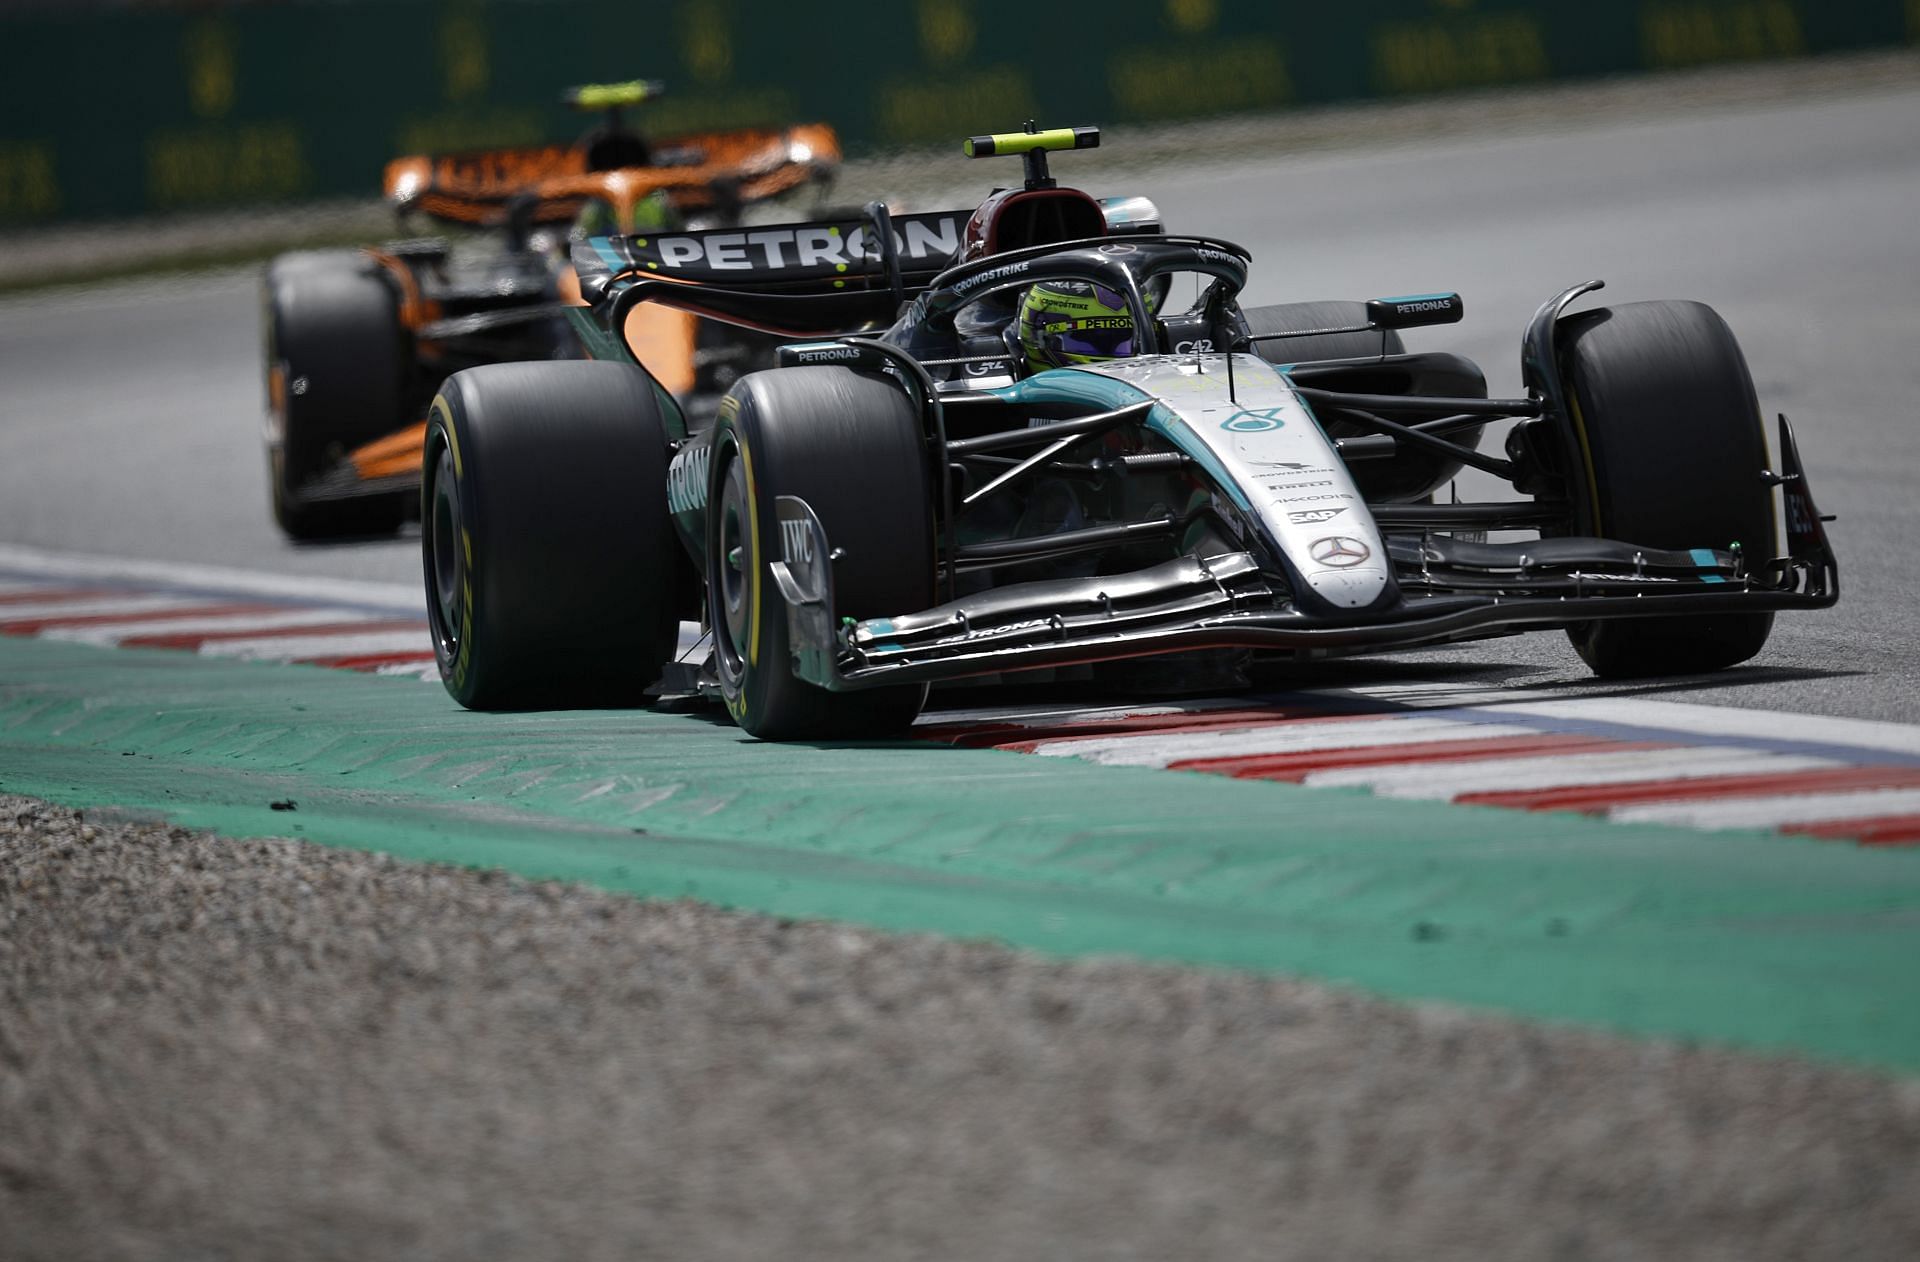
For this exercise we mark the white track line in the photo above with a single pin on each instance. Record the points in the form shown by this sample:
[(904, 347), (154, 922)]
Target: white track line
[(295, 648), (1157, 749), (18, 560), (1756, 812), (1445, 781), (1704, 720), (14, 586), (111, 633)]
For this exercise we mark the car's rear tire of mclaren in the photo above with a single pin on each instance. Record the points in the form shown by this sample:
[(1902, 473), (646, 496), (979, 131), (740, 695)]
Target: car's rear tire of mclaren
[(1664, 410), (852, 447), (1288, 316), (548, 551), (338, 364)]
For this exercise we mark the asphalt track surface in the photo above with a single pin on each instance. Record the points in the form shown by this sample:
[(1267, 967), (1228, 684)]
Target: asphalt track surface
[(129, 421)]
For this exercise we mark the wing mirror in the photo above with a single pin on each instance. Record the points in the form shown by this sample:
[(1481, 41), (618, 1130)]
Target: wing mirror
[(1415, 309)]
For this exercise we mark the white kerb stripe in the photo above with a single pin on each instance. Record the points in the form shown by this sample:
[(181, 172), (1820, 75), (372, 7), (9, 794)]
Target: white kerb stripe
[(412, 670), (114, 632), (1049, 716), (1759, 812), (1444, 781), (1705, 720), (1158, 749), (293, 648)]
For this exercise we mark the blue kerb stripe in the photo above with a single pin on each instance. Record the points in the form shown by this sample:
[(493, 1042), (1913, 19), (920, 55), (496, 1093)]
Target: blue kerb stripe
[(1704, 558)]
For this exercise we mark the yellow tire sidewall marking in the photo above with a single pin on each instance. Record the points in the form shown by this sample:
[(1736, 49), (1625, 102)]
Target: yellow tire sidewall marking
[(753, 538), (445, 415)]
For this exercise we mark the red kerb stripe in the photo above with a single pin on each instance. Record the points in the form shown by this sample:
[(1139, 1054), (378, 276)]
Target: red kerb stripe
[(60, 593), (1298, 766), (194, 639), (33, 626), (1598, 798), (992, 734), (1878, 830), (1173, 724)]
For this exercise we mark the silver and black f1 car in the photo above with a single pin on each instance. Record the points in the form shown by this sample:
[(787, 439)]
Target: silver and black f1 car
[(912, 497)]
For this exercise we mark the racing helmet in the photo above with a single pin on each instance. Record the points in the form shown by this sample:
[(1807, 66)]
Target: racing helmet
[(1065, 322)]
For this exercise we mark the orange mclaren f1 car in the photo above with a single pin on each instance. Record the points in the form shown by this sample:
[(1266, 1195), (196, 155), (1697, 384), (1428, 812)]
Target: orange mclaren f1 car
[(358, 341)]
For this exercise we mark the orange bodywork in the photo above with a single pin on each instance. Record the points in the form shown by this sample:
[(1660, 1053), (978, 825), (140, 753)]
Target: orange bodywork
[(474, 188), (415, 310), (662, 338), (392, 456)]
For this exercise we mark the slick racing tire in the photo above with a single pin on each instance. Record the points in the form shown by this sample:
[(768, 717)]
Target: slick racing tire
[(548, 551), (1286, 317), (1664, 410), (852, 447), (338, 368)]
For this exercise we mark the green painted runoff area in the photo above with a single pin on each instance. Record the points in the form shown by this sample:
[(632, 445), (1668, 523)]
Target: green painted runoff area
[(1740, 938)]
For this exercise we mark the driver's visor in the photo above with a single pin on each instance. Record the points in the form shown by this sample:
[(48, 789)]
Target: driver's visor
[(1104, 337)]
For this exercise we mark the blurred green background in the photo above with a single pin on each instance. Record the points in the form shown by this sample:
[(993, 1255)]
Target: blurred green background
[(112, 110)]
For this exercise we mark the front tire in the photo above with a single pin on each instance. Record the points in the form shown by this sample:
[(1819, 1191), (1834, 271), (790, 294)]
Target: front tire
[(852, 447), (1664, 410), (547, 546)]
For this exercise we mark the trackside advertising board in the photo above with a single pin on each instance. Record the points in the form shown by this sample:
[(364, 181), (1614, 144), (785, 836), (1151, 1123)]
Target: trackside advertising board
[(111, 110)]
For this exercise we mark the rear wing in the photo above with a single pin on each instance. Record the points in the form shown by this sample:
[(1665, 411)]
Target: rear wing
[(699, 171), (799, 279)]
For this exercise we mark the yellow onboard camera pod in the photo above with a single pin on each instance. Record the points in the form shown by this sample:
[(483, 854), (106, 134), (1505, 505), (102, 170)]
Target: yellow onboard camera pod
[(612, 96), (1033, 144)]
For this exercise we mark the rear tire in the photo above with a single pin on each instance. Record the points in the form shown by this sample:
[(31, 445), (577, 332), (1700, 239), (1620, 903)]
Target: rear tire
[(851, 446), (338, 367), (1664, 408), (548, 550)]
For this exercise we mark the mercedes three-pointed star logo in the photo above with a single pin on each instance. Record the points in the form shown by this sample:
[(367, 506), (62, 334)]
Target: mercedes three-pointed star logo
[(1339, 551), (1253, 421)]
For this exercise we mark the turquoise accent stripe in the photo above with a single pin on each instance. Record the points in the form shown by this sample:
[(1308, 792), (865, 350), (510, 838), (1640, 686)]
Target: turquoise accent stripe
[(612, 259), (1420, 298), (1075, 385), (1704, 558), (1174, 428)]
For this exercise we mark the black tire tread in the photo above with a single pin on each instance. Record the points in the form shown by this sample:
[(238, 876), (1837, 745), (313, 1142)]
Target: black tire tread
[(1675, 445), (851, 446), (563, 488), (334, 321)]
